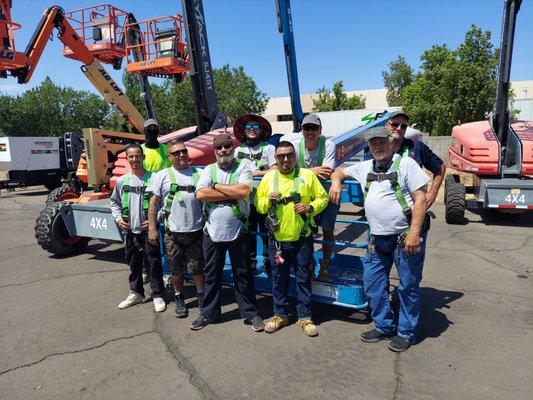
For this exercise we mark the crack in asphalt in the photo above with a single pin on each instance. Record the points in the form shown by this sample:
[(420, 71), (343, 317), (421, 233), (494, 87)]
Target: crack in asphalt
[(18, 247), (398, 377), (495, 263), (60, 277), (76, 351), (184, 364)]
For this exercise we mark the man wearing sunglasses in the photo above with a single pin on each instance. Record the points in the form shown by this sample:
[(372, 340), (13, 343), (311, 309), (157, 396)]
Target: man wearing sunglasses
[(417, 150), (173, 190), (129, 205), (315, 152), (224, 187)]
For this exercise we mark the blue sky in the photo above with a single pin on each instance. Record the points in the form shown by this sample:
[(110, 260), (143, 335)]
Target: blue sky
[(348, 40)]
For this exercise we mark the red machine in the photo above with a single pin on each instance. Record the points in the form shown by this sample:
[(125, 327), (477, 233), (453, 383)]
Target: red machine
[(498, 152)]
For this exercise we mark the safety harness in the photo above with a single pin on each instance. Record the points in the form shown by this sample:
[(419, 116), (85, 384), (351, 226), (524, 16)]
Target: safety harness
[(127, 189), (237, 213), (258, 157), (175, 190), (294, 197), (321, 152)]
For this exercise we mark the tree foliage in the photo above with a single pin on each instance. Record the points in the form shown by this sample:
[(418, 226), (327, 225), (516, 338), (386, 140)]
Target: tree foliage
[(51, 110), (399, 75), (452, 85), (336, 100)]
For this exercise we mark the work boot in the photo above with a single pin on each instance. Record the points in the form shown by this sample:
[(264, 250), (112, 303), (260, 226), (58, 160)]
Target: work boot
[(324, 269), (276, 323), (181, 309), (308, 326)]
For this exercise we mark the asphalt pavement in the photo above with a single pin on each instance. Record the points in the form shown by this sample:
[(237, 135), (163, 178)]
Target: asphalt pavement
[(62, 336)]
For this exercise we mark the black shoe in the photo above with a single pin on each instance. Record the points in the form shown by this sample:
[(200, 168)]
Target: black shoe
[(201, 322), (200, 300), (375, 336), (257, 323), (399, 344), (181, 309)]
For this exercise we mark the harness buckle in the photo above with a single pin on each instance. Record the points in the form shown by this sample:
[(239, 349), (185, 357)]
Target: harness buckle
[(191, 188)]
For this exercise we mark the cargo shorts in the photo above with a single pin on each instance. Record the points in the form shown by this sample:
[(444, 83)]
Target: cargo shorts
[(184, 252)]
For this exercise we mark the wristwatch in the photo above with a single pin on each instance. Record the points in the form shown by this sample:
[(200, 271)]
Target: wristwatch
[(212, 185), (311, 209)]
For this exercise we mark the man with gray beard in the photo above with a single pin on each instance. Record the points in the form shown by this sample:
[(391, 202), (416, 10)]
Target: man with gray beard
[(224, 187)]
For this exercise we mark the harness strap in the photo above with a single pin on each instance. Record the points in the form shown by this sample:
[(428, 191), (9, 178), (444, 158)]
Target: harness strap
[(127, 189), (253, 157), (175, 190), (321, 152)]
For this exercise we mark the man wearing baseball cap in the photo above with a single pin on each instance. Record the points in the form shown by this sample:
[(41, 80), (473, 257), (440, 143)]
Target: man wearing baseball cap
[(156, 154), (394, 189), (224, 187), (315, 152)]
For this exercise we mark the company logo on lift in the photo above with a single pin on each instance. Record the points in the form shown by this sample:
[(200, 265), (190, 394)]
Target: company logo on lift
[(8, 55), (203, 45), (111, 81)]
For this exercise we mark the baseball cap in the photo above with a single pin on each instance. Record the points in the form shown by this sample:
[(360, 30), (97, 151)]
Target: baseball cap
[(379, 132), (311, 119), (149, 122), (399, 114), (223, 138)]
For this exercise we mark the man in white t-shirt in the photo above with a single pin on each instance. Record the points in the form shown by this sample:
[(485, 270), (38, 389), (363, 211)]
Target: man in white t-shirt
[(395, 206), (253, 131), (173, 190)]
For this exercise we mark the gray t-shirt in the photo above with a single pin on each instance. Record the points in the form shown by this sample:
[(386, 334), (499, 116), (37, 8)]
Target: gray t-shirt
[(135, 202), (186, 213), (311, 157), (222, 225), (268, 154), (382, 208)]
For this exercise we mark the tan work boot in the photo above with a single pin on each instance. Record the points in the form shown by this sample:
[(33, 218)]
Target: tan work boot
[(308, 326), (324, 269), (275, 324)]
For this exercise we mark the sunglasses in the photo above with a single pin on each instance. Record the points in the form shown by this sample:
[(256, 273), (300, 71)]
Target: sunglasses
[(250, 127), (226, 146), (310, 127), (396, 125), (177, 153), (288, 156)]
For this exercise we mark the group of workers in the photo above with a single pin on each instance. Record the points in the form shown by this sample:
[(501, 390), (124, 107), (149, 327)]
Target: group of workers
[(220, 209)]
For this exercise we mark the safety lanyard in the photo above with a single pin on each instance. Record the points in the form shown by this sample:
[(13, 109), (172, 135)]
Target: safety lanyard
[(136, 189), (175, 189), (321, 153)]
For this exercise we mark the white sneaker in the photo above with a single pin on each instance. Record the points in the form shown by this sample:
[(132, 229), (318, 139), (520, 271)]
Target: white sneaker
[(132, 299), (159, 304)]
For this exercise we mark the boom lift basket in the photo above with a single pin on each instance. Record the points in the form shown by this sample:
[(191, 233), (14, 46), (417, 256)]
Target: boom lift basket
[(9, 57), (102, 29), (163, 50)]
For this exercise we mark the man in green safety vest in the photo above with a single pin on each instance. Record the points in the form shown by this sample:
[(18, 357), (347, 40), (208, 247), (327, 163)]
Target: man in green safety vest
[(253, 131), (291, 196), (156, 154), (173, 190), (129, 206), (224, 187), (394, 190), (315, 152)]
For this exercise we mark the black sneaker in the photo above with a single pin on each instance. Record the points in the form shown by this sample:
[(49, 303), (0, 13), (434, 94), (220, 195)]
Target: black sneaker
[(201, 322), (200, 300), (399, 344), (181, 309), (257, 323), (375, 336)]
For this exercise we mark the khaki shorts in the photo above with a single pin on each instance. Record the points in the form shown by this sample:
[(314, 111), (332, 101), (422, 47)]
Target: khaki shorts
[(184, 252)]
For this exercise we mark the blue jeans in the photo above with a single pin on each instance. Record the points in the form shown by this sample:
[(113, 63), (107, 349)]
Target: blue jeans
[(297, 255), (377, 266)]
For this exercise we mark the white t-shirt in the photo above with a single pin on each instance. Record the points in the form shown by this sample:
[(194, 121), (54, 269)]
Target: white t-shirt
[(382, 209), (222, 225), (186, 213), (267, 156)]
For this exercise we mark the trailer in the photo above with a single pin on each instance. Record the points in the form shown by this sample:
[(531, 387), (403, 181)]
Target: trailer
[(30, 161)]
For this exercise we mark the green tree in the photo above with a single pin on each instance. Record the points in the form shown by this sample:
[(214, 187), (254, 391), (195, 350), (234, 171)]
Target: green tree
[(453, 85), (398, 76), (336, 100)]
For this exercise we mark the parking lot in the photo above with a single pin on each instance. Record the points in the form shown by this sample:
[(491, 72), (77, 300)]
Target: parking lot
[(64, 338)]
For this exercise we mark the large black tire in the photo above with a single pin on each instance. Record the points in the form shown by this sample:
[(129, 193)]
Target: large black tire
[(52, 234), (62, 193), (454, 200)]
